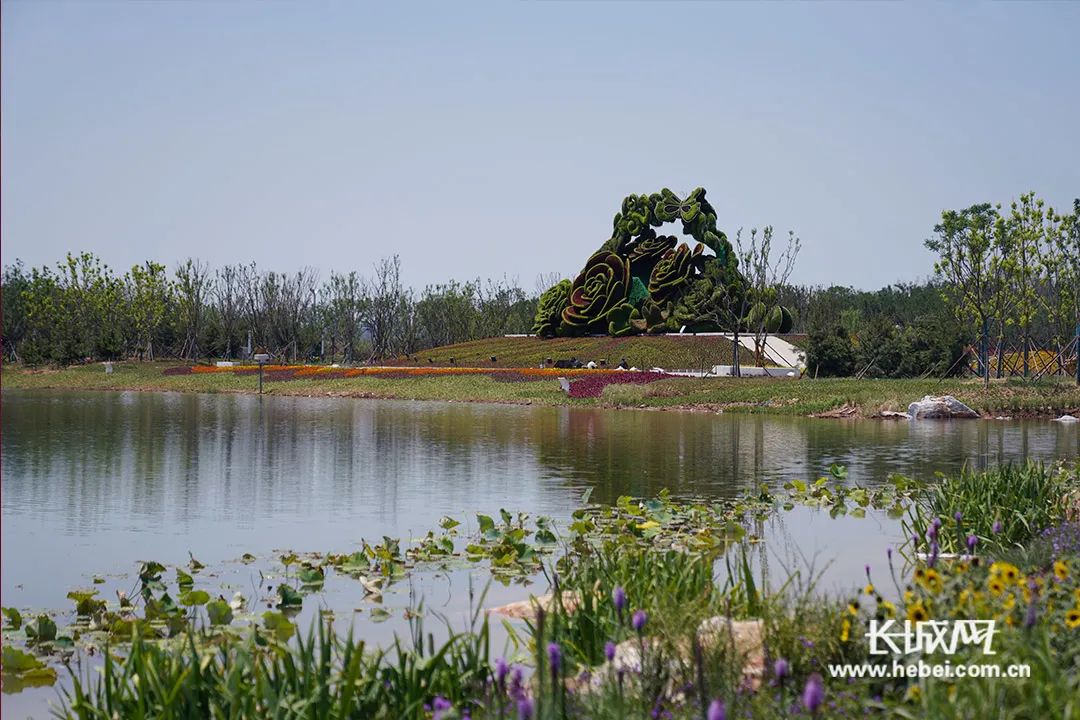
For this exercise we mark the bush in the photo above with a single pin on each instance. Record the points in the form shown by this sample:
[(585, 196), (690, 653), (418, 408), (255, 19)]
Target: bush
[(830, 353)]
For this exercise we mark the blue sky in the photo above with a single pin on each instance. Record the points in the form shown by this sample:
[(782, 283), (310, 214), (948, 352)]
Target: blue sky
[(491, 139)]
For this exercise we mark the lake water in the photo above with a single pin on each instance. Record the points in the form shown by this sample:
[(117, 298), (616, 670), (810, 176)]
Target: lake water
[(94, 482)]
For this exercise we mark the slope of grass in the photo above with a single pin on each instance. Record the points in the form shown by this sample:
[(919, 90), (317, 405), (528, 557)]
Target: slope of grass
[(687, 352)]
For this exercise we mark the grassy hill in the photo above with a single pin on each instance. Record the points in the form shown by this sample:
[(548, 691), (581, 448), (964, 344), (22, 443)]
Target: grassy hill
[(671, 352)]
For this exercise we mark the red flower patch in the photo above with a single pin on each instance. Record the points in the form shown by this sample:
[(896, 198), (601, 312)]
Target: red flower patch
[(593, 385)]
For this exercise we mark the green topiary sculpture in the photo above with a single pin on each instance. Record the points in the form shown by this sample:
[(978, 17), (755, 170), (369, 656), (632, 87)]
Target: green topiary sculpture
[(640, 281)]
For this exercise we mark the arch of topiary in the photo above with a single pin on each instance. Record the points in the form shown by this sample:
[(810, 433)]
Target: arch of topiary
[(639, 281)]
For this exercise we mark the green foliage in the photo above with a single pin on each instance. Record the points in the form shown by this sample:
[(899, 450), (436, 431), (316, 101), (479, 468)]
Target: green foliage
[(830, 353), (669, 284), (673, 274), (549, 308), (1005, 506), (602, 286)]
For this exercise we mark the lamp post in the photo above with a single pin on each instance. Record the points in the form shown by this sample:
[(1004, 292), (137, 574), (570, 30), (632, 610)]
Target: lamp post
[(261, 359)]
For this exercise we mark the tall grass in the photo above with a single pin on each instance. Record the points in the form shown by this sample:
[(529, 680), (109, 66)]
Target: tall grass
[(1002, 507)]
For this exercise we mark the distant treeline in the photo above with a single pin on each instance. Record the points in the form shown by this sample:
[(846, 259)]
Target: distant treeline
[(1010, 278), (81, 308)]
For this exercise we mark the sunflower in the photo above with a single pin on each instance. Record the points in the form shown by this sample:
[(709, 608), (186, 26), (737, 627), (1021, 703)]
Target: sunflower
[(887, 608), (853, 607), (995, 585), (930, 579), (919, 574), (1006, 571), (917, 613), (1061, 570), (1072, 618), (909, 597), (845, 630), (869, 589)]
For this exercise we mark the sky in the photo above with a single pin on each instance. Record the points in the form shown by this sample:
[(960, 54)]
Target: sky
[(498, 139)]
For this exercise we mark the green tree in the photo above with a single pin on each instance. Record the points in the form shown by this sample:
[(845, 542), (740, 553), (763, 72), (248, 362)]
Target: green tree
[(149, 294), (966, 246)]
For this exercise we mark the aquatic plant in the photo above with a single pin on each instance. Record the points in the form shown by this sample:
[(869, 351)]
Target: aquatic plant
[(1002, 507)]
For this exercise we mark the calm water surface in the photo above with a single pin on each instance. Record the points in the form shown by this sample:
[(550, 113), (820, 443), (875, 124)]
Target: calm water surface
[(95, 482)]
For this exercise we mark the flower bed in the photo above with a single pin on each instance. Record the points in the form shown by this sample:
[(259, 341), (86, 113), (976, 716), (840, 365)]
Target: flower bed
[(591, 387), (279, 373)]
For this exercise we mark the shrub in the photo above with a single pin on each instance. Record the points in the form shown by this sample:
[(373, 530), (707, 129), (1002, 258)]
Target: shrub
[(830, 353)]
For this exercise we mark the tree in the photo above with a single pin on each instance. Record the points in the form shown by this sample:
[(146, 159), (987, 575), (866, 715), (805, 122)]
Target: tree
[(1026, 232), (389, 316), (966, 246), (15, 284), (191, 286), (148, 291), (344, 298), (764, 277), (227, 293)]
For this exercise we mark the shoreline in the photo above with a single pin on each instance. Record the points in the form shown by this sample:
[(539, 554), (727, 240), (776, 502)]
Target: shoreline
[(839, 399)]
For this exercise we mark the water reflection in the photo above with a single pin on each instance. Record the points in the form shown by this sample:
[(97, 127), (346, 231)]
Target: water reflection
[(98, 481)]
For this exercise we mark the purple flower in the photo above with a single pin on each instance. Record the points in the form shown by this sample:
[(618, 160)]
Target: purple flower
[(555, 657), (717, 711), (618, 596), (888, 553), (932, 561), (958, 516), (814, 693), (609, 650), (638, 620), (517, 684), (972, 541), (868, 570), (440, 705), (781, 669), (1032, 615), (915, 540), (936, 523), (525, 709), (997, 527), (501, 669), (931, 534)]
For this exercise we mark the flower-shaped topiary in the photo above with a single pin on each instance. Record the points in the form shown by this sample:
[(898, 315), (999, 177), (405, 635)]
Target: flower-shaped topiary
[(675, 271), (549, 309), (602, 285), (647, 252)]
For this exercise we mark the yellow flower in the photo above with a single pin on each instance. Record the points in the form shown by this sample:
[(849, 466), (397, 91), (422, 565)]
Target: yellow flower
[(913, 694), (845, 630), (929, 580), (995, 585), (1005, 571), (919, 573), (909, 597), (869, 589), (648, 525), (1061, 570), (917, 613), (853, 608), (888, 608), (1072, 618), (933, 581), (1009, 602)]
